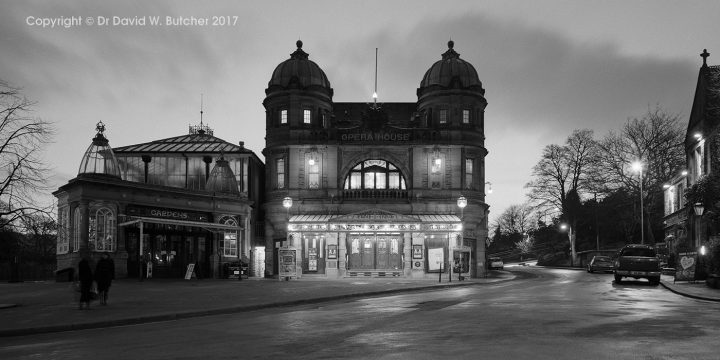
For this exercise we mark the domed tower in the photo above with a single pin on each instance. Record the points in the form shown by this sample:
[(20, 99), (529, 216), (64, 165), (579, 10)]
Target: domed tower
[(298, 97), (298, 106), (99, 158), (451, 105), (451, 95)]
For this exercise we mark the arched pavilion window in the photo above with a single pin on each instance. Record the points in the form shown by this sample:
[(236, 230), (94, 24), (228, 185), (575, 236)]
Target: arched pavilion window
[(374, 174), (229, 242), (102, 230), (77, 222)]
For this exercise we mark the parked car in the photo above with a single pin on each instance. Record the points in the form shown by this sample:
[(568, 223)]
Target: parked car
[(600, 263), (637, 261), (495, 263)]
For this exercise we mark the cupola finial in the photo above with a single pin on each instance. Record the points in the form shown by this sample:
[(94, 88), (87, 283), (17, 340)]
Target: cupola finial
[(100, 127)]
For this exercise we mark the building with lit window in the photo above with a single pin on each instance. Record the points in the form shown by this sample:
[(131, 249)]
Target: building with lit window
[(375, 189), (160, 206), (702, 144), (684, 222)]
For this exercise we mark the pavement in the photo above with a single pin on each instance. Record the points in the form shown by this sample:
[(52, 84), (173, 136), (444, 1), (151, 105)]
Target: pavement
[(47, 306), (44, 307)]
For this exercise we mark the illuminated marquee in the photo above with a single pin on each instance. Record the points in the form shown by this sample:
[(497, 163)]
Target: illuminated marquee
[(443, 227)]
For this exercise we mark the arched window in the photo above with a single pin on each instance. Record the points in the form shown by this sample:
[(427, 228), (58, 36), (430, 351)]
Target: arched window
[(229, 243), (63, 242), (77, 221), (375, 174), (102, 230)]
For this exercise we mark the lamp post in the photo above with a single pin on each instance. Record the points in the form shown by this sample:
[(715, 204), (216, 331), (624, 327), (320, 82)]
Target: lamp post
[(572, 242), (637, 166), (461, 203), (287, 204), (488, 187)]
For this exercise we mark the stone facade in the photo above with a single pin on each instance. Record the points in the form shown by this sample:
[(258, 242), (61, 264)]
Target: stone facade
[(408, 161)]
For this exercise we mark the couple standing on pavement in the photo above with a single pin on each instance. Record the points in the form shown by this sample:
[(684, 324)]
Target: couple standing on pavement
[(104, 275)]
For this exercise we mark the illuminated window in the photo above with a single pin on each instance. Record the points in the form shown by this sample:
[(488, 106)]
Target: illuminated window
[(466, 116), (436, 173), (101, 234), (443, 116), (468, 173), (314, 175), (280, 171), (375, 174), (283, 116), (230, 244), (306, 116), (699, 161)]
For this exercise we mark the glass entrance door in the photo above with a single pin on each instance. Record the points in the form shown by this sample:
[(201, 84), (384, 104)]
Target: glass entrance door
[(382, 252), (367, 253), (374, 251)]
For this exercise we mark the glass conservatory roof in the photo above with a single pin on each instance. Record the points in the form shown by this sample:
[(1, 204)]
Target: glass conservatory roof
[(192, 143)]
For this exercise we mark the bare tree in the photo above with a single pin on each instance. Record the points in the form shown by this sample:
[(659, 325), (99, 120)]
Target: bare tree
[(563, 175), (563, 168), (525, 245), (657, 141), (22, 172), (516, 219)]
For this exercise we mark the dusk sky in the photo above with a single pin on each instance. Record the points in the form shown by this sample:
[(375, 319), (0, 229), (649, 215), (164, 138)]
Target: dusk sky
[(548, 67)]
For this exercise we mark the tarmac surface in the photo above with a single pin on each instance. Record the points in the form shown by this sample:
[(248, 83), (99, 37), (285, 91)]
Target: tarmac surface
[(42, 307)]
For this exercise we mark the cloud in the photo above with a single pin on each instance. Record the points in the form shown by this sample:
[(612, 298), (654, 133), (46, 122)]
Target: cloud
[(145, 84)]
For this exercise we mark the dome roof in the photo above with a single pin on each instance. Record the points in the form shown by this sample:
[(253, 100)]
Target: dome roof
[(99, 157), (222, 179), (450, 69), (298, 70)]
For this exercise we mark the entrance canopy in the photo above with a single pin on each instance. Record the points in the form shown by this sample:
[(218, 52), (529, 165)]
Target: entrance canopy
[(204, 225), (375, 220)]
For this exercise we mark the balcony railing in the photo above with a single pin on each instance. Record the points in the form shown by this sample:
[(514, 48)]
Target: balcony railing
[(375, 194)]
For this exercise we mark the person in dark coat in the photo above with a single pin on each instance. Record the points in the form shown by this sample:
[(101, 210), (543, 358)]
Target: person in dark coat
[(86, 280), (104, 275)]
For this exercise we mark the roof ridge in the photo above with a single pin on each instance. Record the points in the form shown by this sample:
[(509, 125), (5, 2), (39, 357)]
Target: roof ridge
[(184, 143)]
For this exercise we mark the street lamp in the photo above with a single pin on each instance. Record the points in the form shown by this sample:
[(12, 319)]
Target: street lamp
[(488, 187), (699, 209), (567, 227), (637, 166), (287, 204), (461, 203)]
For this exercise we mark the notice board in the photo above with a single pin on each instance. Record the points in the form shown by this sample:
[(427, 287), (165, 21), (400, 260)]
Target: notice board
[(287, 266), (685, 267), (189, 273), (436, 258)]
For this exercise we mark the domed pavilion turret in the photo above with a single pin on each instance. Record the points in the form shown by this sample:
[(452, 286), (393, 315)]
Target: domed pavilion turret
[(99, 158), (451, 93), (299, 95)]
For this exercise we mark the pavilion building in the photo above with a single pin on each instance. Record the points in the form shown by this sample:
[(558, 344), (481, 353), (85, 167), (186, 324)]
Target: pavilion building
[(162, 207)]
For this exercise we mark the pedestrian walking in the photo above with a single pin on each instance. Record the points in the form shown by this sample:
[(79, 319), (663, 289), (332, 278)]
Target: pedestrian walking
[(104, 275), (86, 281)]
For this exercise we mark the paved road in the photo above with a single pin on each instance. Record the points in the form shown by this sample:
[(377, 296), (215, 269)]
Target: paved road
[(543, 314)]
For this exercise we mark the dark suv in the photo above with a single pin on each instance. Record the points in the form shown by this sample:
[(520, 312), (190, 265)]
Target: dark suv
[(637, 261)]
